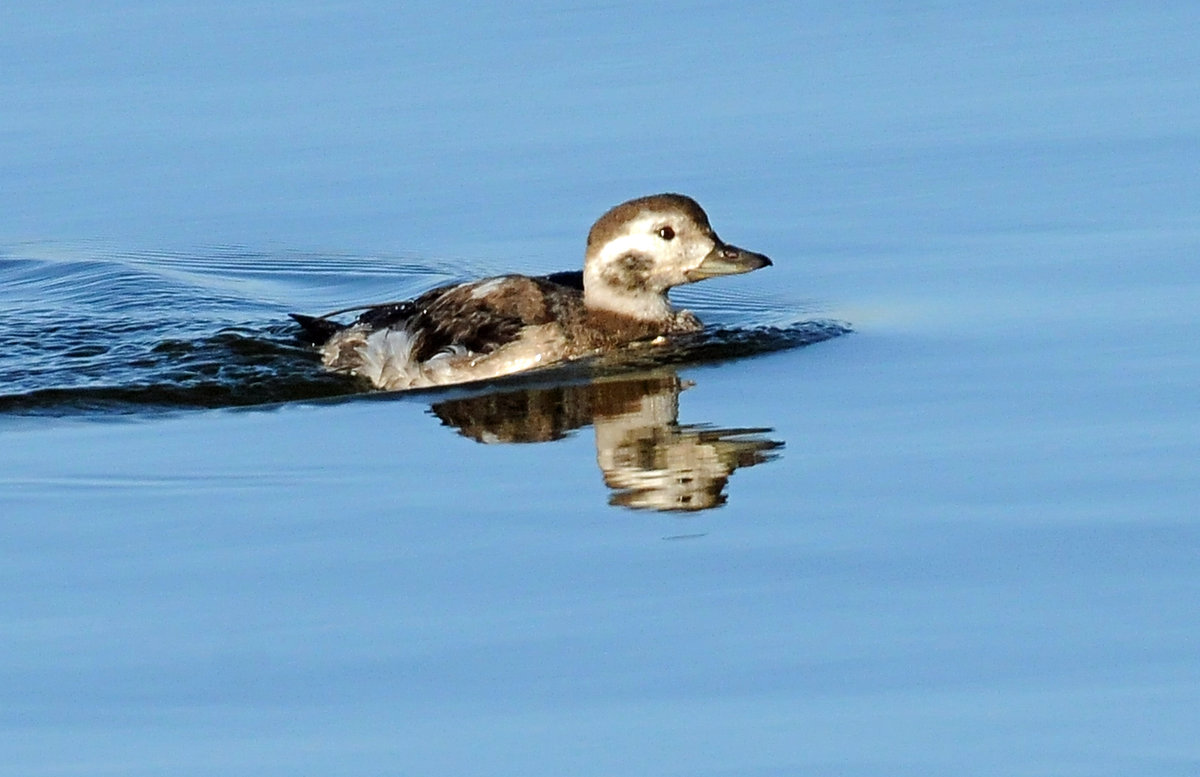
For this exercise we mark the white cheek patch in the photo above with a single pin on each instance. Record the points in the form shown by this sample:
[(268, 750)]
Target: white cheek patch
[(684, 252), (637, 243), (638, 239)]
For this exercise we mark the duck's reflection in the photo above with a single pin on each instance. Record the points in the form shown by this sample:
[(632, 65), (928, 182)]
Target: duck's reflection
[(648, 459)]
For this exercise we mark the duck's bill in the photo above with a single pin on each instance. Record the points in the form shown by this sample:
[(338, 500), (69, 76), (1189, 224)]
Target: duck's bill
[(727, 260)]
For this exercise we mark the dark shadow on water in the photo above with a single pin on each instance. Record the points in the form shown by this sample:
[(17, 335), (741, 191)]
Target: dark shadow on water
[(236, 367), (104, 371)]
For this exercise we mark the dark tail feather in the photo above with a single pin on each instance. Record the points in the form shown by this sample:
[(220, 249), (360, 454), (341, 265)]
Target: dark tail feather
[(316, 330)]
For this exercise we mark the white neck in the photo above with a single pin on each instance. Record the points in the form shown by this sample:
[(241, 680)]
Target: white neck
[(646, 305)]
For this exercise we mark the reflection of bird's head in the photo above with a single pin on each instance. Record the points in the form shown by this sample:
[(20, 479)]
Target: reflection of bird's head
[(683, 476), (687, 468), (654, 463)]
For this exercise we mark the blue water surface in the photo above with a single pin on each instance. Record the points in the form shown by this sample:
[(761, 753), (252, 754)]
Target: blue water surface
[(961, 539)]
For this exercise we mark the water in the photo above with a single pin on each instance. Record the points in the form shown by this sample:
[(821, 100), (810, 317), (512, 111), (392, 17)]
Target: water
[(959, 540)]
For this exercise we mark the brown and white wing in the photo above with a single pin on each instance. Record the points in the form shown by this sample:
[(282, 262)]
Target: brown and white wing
[(479, 317)]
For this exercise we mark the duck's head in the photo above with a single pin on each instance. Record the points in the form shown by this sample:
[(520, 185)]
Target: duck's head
[(640, 249)]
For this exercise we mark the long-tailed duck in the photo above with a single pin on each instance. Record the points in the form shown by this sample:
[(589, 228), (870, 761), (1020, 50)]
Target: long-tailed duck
[(636, 252)]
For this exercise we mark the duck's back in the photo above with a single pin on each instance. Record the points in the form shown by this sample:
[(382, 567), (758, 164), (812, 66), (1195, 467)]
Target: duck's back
[(461, 332)]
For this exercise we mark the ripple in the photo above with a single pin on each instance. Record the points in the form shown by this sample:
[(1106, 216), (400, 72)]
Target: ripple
[(110, 333)]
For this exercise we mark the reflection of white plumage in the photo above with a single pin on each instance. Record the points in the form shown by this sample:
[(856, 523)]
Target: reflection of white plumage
[(652, 462), (636, 252)]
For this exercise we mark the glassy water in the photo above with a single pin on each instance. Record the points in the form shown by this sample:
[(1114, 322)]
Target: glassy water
[(959, 539)]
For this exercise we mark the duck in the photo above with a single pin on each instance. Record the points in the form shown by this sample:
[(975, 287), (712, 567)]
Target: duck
[(463, 332)]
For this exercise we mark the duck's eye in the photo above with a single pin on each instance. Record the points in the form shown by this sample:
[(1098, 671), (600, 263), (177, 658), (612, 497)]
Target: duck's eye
[(666, 233)]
